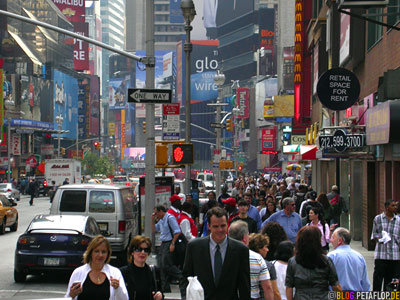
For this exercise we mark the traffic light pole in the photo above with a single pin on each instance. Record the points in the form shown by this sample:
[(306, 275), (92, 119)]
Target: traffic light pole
[(150, 146)]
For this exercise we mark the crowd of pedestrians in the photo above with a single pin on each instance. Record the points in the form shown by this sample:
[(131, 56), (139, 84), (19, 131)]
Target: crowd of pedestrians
[(270, 238)]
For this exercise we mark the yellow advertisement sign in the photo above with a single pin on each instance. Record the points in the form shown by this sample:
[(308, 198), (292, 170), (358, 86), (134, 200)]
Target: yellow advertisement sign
[(111, 128), (284, 106)]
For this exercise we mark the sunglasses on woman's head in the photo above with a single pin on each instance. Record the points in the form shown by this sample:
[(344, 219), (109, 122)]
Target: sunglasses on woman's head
[(139, 249)]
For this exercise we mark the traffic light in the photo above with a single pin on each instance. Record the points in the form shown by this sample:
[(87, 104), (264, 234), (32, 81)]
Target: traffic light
[(161, 155), (62, 151), (144, 126), (229, 125), (182, 154), (97, 145)]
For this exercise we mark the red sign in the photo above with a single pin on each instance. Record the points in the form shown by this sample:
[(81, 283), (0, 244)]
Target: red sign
[(273, 169), (268, 139), (31, 161), (81, 48), (242, 101), (171, 109), (73, 10)]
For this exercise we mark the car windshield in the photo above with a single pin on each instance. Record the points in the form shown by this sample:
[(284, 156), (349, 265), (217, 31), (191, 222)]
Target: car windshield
[(101, 201), (209, 177), (3, 186)]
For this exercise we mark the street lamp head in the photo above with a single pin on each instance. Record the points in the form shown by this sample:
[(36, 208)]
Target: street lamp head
[(188, 10), (219, 78)]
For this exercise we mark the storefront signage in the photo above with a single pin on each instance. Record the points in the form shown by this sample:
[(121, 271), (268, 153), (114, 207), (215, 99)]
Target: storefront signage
[(298, 140), (382, 123), (340, 141), (242, 98), (338, 89)]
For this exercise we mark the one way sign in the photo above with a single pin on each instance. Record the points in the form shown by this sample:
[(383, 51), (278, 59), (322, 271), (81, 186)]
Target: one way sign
[(149, 96)]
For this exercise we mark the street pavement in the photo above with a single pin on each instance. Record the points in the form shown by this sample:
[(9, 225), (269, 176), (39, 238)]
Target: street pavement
[(49, 287)]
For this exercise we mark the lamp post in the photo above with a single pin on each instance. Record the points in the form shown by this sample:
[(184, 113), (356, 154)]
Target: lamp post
[(189, 13), (219, 80), (59, 121)]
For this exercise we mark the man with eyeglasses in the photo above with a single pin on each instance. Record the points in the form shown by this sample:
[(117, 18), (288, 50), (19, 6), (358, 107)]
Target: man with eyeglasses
[(287, 218)]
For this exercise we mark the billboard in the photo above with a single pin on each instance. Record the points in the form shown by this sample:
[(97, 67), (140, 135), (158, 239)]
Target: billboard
[(268, 139), (36, 98), (66, 102), (242, 101), (81, 48), (204, 65), (94, 117), (74, 11), (82, 109), (117, 92)]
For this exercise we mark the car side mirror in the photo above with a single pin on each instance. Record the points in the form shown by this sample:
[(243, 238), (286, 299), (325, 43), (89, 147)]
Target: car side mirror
[(13, 204), (105, 233)]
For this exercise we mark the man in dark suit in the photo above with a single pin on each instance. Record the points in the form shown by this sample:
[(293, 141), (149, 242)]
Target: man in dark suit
[(220, 263)]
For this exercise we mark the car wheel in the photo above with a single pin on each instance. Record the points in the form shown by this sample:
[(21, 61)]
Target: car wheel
[(3, 226), (14, 227), (19, 277)]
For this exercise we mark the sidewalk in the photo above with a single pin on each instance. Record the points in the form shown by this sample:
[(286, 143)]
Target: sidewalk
[(356, 245)]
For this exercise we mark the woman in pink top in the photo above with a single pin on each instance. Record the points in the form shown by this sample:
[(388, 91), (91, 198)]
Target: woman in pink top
[(317, 219)]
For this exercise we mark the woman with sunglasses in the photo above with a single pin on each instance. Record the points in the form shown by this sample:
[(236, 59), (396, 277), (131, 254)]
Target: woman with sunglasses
[(140, 279)]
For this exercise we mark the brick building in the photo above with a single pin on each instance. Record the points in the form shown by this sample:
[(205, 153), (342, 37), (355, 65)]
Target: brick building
[(368, 175)]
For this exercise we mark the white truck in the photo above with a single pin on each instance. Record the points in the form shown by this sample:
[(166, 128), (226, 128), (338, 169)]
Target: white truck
[(60, 169)]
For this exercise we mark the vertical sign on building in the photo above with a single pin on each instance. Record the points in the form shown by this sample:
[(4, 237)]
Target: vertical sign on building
[(268, 139), (242, 98), (298, 56), (82, 112)]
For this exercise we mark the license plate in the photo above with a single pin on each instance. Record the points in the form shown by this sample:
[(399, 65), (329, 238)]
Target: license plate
[(49, 261), (103, 226)]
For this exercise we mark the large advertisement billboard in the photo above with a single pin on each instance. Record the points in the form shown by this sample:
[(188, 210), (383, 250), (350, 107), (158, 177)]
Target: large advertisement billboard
[(204, 65), (118, 89), (36, 99), (66, 102), (73, 10), (94, 117)]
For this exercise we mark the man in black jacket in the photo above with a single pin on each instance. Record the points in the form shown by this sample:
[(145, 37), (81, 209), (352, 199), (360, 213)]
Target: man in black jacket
[(220, 263)]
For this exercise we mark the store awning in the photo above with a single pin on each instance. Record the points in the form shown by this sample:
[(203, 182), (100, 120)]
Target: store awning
[(291, 149), (26, 49), (307, 152)]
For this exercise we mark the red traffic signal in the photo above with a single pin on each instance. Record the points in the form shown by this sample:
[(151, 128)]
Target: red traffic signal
[(240, 168), (182, 154)]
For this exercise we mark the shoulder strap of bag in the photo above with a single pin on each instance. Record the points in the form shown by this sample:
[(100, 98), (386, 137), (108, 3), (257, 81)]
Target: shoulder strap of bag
[(169, 226)]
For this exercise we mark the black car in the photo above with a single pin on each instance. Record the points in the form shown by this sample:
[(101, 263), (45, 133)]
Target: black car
[(41, 186), (53, 243)]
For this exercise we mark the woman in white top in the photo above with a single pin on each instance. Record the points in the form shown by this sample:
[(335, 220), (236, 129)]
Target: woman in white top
[(96, 279), (316, 219), (283, 253)]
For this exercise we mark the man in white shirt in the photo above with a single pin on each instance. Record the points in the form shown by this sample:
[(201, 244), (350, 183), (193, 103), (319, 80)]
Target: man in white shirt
[(259, 274)]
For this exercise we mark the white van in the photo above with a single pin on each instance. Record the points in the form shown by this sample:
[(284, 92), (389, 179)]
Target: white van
[(114, 208)]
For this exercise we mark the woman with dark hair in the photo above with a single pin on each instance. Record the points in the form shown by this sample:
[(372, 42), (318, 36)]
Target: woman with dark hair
[(276, 234), (140, 278), (317, 220), (270, 208), (327, 213), (310, 272), (283, 253), (259, 243), (96, 279)]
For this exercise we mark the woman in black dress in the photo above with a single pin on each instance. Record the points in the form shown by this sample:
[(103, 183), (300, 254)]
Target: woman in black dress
[(140, 279)]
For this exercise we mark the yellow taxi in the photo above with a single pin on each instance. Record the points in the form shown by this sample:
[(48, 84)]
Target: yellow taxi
[(8, 215)]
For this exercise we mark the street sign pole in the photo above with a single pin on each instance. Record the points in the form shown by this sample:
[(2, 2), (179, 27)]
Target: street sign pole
[(150, 147)]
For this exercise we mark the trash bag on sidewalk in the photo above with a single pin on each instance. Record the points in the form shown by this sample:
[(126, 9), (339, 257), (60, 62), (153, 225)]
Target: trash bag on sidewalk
[(194, 290)]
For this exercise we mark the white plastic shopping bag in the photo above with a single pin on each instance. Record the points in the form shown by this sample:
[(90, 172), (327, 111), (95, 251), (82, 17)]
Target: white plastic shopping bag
[(194, 290)]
